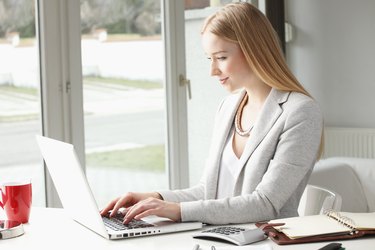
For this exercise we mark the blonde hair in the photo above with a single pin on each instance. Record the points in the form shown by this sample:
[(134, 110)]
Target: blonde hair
[(244, 24)]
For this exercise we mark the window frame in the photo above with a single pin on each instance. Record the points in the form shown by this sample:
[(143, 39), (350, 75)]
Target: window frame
[(176, 93)]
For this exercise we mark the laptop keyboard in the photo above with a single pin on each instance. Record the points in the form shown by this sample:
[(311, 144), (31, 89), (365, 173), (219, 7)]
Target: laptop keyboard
[(116, 223)]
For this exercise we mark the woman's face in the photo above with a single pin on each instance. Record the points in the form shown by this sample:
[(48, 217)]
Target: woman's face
[(228, 62)]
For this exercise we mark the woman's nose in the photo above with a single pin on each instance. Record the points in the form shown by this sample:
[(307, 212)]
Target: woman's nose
[(214, 70)]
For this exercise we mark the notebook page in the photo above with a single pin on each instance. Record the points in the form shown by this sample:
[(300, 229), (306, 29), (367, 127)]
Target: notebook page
[(298, 227), (362, 221)]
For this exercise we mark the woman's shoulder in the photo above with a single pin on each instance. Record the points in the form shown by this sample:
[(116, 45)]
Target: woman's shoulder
[(298, 100), (301, 106)]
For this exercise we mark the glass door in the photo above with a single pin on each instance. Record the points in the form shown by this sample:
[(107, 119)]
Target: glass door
[(205, 89), (20, 116), (124, 97)]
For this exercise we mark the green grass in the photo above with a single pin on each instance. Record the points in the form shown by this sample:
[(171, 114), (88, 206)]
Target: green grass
[(148, 158), (24, 42), (125, 37), (141, 84), (21, 90), (131, 37)]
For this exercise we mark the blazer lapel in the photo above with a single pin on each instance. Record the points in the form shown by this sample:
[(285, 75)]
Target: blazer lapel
[(270, 113), (223, 128), (227, 123)]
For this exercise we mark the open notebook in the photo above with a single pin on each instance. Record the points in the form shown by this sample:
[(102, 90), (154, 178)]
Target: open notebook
[(329, 226)]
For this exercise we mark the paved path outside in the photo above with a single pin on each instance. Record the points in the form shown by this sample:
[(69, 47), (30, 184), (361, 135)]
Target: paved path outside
[(100, 100)]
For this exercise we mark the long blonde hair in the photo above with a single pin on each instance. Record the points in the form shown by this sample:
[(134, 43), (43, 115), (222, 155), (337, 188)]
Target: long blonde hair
[(244, 24)]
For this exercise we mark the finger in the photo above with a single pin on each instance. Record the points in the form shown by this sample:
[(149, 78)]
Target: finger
[(105, 211), (139, 208), (124, 212), (130, 214), (119, 204)]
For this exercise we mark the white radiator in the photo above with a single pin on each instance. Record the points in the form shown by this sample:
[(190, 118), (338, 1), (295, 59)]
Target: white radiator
[(349, 142)]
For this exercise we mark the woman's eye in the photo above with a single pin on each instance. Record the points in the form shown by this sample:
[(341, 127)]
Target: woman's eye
[(220, 58)]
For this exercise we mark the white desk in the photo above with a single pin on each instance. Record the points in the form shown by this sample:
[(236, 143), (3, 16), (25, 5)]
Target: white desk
[(50, 228)]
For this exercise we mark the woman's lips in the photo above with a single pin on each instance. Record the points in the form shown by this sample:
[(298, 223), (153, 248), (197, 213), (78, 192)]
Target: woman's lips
[(223, 80)]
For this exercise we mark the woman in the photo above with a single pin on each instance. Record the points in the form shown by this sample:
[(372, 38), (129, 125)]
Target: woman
[(267, 133)]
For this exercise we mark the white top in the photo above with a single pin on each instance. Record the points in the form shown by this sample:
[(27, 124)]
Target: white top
[(229, 170)]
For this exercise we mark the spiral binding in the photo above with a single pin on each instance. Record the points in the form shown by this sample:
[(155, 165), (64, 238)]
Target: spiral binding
[(346, 221)]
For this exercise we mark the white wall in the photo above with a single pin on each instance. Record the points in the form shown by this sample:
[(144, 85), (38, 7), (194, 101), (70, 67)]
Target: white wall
[(333, 55)]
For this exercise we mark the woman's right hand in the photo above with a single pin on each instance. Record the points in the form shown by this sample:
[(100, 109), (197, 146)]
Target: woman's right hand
[(127, 200)]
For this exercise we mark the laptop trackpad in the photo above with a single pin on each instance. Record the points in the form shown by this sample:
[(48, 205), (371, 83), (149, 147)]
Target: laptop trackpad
[(158, 221)]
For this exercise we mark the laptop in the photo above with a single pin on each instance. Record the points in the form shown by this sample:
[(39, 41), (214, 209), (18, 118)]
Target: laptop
[(77, 199)]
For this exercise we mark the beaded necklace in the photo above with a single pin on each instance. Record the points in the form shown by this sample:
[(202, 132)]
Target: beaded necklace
[(237, 119)]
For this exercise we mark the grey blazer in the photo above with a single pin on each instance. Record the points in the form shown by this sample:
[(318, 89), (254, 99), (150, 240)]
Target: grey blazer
[(277, 162)]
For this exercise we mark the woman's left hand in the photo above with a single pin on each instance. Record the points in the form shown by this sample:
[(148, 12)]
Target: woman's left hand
[(153, 206)]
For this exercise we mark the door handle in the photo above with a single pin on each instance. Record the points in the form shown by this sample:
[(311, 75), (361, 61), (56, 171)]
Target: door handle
[(185, 82)]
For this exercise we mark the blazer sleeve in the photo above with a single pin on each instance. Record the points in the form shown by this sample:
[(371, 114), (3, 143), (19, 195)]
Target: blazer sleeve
[(294, 157)]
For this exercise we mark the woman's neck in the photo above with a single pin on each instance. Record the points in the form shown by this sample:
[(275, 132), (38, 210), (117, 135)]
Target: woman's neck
[(258, 93)]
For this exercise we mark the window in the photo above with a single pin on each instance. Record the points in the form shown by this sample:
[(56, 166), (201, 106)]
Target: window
[(124, 97), (126, 108), (20, 116)]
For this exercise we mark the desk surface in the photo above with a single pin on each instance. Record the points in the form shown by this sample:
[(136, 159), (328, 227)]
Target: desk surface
[(51, 228)]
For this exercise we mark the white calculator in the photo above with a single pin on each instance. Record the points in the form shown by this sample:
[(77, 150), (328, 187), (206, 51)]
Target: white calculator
[(236, 235)]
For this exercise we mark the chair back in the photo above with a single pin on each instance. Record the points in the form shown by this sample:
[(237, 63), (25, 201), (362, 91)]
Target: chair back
[(315, 200)]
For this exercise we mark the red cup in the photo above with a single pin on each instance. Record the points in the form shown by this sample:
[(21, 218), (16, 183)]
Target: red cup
[(16, 200)]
